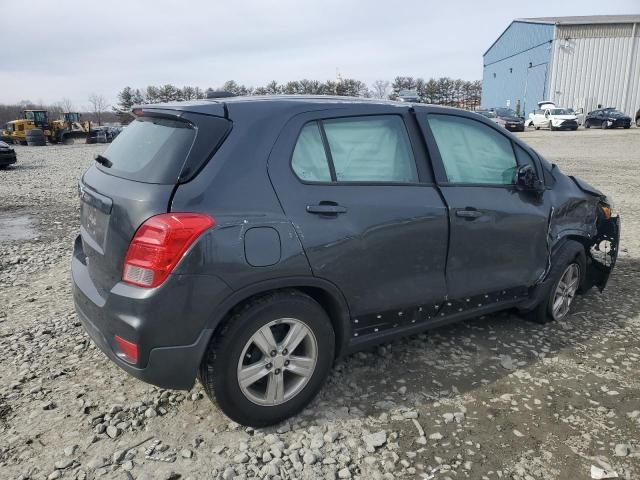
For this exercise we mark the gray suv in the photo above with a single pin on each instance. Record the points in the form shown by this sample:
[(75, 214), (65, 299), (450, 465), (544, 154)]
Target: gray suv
[(249, 242)]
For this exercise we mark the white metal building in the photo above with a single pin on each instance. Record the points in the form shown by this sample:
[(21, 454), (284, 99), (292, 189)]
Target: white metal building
[(578, 62)]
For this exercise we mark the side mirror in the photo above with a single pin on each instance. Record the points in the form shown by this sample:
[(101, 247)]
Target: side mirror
[(527, 178)]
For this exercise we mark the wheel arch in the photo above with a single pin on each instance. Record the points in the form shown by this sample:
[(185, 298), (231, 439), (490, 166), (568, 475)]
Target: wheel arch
[(328, 296)]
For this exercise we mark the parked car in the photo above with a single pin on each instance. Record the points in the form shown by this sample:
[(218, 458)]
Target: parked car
[(548, 115), (508, 118), (251, 241), (607, 118), (638, 118), (7, 155), (97, 135)]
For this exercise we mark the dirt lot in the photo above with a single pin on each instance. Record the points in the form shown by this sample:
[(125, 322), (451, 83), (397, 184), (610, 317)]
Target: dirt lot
[(492, 398)]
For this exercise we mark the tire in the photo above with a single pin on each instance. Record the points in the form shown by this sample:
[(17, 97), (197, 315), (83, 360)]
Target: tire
[(603, 125), (553, 129), (233, 349), (35, 138), (537, 128), (638, 122), (586, 124), (574, 129), (627, 126), (571, 253)]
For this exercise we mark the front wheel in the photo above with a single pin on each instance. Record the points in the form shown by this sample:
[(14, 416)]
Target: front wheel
[(270, 359), (604, 125), (565, 280)]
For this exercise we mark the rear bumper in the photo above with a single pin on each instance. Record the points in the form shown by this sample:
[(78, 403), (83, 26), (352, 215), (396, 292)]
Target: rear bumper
[(8, 158), (157, 320)]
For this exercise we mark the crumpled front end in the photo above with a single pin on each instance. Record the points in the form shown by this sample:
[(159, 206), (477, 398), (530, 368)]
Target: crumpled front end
[(603, 251)]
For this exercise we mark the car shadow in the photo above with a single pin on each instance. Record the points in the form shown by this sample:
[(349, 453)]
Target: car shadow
[(448, 362)]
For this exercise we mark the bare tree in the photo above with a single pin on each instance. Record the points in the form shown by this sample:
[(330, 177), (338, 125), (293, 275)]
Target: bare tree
[(98, 106), (381, 89), (66, 105)]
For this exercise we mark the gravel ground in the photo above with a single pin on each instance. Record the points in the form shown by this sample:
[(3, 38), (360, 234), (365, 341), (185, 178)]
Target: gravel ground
[(492, 398)]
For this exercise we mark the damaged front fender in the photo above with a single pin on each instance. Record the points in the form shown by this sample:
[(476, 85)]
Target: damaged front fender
[(603, 251)]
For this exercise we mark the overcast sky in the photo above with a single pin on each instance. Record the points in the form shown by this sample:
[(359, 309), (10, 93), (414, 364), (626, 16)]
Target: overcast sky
[(69, 49)]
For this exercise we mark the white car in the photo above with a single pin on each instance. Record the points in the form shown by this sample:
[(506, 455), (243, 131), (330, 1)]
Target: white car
[(548, 115)]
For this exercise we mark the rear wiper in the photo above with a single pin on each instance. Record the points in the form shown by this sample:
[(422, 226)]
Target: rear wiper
[(104, 161)]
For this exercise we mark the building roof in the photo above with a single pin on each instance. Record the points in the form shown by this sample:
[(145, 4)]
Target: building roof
[(584, 20)]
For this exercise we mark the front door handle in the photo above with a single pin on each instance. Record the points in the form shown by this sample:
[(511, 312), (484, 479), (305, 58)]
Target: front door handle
[(326, 208), (469, 213)]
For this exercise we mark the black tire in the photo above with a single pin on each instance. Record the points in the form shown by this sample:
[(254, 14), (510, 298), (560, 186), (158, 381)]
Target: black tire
[(603, 125), (219, 369), (35, 138), (586, 124), (570, 252), (627, 126)]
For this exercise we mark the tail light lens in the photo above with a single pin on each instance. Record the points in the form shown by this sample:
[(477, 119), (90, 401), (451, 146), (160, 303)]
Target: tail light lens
[(128, 350), (159, 244)]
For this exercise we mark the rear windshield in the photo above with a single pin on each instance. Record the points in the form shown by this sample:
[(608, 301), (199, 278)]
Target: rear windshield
[(151, 150)]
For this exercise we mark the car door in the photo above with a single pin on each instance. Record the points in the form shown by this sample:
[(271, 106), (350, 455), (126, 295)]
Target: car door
[(538, 118), (355, 183), (497, 230)]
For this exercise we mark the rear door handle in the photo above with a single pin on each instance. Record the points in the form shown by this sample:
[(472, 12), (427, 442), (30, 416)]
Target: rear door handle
[(326, 209), (468, 212)]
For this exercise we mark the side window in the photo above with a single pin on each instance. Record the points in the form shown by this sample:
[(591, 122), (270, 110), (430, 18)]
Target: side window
[(309, 160), (473, 152), (371, 149)]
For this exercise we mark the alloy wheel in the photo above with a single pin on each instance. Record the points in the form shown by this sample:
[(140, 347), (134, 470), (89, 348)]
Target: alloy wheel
[(565, 291), (277, 362)]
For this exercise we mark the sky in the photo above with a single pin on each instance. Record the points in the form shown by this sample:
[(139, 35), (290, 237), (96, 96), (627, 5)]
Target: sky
[(71, 49)]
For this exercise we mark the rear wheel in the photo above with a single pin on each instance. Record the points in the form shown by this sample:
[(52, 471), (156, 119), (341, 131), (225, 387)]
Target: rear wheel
[(35, 138), (566, 275), (270, 359), (586, 124), (603, 125)]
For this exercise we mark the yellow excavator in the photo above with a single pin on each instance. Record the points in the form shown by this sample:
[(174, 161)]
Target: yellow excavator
[(69, 128), (15, 131)]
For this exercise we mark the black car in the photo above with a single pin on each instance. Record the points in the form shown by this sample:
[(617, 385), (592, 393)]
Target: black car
[(638, 118), (607, 118), (7, 155), (251, 241), (508, 119)]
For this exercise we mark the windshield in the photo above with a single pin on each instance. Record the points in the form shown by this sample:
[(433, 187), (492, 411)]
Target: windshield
[(488, 114), (614, 113), (560, 111), (506, 112)]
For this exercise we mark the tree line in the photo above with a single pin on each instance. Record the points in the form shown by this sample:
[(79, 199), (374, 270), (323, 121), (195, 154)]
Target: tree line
[(440, 91), (97, 111)]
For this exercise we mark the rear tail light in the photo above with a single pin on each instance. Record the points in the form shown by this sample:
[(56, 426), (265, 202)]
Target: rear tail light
[(159, 244), (128, 350)]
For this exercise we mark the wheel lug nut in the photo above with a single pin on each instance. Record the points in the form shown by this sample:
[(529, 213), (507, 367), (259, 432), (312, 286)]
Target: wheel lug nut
[(273, 353), (277, 371), (285, 351), (269, 365), (286, 363)]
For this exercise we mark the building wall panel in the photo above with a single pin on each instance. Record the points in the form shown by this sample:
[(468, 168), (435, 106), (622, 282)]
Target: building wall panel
[(591, 71), (516, 67)]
